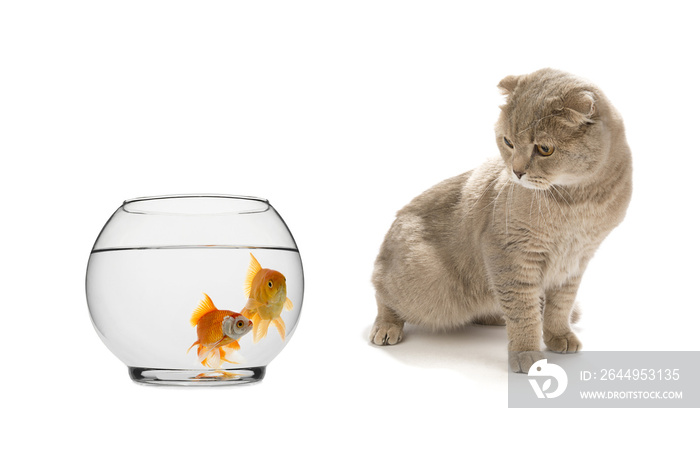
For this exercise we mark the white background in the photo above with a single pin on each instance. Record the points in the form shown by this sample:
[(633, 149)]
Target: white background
[(339, 113)]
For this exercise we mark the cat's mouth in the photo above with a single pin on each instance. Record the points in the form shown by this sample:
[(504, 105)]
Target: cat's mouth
[(531, 182)]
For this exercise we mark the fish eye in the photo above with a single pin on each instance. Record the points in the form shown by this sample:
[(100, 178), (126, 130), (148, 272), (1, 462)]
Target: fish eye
[(507, 142), (239, 324), (269, 284), (545, 151)]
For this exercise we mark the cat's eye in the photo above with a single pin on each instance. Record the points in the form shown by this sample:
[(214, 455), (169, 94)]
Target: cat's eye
[(508, 143), (545, 151)]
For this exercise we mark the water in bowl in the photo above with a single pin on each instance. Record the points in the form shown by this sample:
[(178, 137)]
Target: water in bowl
[(141, 301)]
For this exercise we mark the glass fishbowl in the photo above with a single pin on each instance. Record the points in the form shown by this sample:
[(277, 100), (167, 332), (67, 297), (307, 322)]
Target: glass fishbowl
[(195, 289)]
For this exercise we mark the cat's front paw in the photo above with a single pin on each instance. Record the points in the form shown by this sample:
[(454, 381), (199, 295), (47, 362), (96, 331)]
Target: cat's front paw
[(386, 333), (568, 343), (521, 361)]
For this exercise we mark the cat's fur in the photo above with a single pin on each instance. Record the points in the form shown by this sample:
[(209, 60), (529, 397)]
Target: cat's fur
[(488, 245)]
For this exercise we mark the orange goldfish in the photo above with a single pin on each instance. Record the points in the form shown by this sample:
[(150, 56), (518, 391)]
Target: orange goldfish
[(217, 332), (267, 295), (218, 375)]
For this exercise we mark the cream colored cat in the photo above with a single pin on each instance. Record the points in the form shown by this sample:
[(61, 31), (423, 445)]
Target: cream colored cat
[(513, 237)]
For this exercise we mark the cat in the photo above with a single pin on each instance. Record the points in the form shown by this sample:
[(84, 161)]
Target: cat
[(509, 241)]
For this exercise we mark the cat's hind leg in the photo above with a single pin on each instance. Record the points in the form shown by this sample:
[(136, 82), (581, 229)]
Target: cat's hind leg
[(491, 319), (387, 328)]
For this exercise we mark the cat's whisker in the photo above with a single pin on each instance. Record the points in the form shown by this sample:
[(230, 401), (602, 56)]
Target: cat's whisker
[(495, 201), (483, 193), (506, 209), (539, 208), (570, 209), (577, 214), (546, 203), (495, 181), (552, 218), (561, 209), (508, 204), (558, 191)]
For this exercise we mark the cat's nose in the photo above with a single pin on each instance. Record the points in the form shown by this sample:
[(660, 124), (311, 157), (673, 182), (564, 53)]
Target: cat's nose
[(519, 174)]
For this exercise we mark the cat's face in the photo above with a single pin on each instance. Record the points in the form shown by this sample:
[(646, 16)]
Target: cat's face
[(550, 131)]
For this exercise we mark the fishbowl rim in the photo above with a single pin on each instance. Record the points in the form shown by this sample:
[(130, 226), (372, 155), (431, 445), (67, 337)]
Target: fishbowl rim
[(195, 195), (140, 205)]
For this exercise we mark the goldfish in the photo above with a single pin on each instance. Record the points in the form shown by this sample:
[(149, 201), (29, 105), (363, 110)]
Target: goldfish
[(218, 375), (218, 332), (266, 290)]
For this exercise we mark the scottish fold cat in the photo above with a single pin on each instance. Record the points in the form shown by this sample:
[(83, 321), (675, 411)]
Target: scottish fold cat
[(509, 241)]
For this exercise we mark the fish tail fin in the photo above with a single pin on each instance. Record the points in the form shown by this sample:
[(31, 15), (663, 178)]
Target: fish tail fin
[(225, 351), (260, 331), (212, 359), (204, 353), (255, 318), (222, 354), (205, 305), (281, 327), (253, 270)]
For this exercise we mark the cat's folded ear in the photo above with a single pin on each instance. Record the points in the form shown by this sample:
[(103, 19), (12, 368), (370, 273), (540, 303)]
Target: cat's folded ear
[(508, 84), (579, 107)]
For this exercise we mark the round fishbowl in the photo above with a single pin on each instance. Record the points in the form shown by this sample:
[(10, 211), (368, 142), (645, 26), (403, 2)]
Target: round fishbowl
[(195, 289)]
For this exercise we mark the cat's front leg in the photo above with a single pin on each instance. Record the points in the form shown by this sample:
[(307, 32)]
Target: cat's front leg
[(524, 337), (520, 299), (559, 303)]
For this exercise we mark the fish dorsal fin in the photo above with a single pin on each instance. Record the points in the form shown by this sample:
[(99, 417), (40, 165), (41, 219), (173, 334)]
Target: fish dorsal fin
[(205, 305), (288, 304), (253, 270)]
